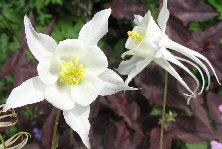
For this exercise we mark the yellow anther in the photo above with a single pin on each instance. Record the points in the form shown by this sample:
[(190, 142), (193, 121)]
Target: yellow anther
[(71, 73), (136, 36)]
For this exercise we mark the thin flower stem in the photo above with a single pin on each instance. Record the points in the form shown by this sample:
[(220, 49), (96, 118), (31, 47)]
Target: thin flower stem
[(55, 131), (164, 110), (3, 142)]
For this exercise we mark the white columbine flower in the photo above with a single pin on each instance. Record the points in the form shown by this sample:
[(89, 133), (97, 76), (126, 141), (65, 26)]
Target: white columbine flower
[(148, 42), (71, 74)]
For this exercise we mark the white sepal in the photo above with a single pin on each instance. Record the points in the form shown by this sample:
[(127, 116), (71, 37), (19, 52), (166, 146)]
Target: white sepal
[(126, 66), (29, 92), (163, 16), (139, 67), (39, 44), (78, 120), (96, 28), (113, 83)]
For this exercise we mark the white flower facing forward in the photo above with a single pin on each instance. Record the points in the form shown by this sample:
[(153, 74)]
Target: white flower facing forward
[(71, 75), (148, 42)]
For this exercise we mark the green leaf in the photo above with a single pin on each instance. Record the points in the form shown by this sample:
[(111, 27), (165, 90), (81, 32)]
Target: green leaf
[(156, 111), (119, 49), (13, 130), (218, 5), (29, 114), (200, 26), (203, 145), (66, 30)]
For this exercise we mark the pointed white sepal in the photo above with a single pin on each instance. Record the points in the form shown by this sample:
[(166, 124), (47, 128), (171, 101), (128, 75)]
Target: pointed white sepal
[(39, 44), (29, 92), (139, 67), (78, 120), (113, 83), (96, 28), (163, 16)]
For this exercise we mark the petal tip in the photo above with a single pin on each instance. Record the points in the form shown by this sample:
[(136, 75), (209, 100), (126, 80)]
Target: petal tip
[(5, 108), (26, 19), (27, 22)]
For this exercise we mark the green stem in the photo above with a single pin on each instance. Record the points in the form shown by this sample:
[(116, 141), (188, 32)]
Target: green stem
[(55, 135), (3, 142), (164, 110)]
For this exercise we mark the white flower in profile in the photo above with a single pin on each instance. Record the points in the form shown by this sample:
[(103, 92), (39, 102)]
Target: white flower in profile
[(71, 74), (148, 43)]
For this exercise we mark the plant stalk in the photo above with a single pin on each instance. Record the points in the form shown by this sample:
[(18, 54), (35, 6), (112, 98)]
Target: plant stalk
[(164, 110), (55, 131)]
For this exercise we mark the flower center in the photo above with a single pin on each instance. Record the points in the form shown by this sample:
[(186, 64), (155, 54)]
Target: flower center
[(71, 73), (136, 36)]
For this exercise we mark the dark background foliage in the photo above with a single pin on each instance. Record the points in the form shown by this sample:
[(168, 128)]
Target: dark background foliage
[(121, 121)]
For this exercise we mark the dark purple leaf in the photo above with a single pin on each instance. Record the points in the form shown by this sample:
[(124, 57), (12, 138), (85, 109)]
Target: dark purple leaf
[(151, 80), (155, 139), (213, 102), (48, 30), (125, 9), (177, 31), (191, 10), (192, 130)]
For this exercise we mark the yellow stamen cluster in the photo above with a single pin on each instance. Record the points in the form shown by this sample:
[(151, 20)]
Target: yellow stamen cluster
[(71, 73), (136, 36)]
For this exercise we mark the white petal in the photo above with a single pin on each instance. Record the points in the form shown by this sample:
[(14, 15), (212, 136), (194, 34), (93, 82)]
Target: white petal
[(171, 58), (113, 83), (95, 29), (139, 67), (163, 16), (78, 120), (147, 48), (87, 91), (199, 70), (95, 61), (59, 96), (131, 43), (166, 65), (29, 92), (48, 69), (93, 58), (69, 49), (138, 19), (39, 44), (126, 66)]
